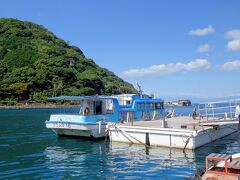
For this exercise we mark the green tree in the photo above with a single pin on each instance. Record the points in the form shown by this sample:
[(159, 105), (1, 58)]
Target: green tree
[(35, 64), (19, 90)]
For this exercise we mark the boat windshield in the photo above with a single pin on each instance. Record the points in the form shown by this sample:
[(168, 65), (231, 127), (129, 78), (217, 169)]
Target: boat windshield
[(124, 99), (96, 107)]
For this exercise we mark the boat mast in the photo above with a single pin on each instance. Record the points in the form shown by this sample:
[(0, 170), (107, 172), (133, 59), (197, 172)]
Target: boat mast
[(139, 90)]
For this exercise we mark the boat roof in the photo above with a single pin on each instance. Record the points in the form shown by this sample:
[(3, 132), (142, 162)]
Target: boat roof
[(149, 100), (77, 98)]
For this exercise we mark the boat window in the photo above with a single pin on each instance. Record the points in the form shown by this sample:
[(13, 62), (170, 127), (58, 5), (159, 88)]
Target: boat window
[(80, 110), (109, 107), (128, 102), (158, 105), (86, 108), (145, 105), (152, 105), (91, 107), (98, 107), (80, 107), (140, 105), (124, 100)]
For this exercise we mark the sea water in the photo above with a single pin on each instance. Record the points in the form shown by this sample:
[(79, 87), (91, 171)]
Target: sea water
[(30, 151)]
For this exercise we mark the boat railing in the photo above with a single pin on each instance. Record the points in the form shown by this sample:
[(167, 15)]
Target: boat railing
[(219, 110)]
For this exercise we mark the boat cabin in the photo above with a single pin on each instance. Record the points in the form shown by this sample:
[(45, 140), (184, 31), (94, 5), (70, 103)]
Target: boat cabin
[(91, 105), (124, 107), (96, 106)]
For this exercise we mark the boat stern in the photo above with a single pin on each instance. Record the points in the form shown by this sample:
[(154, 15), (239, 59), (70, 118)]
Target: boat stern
[(76, 125)]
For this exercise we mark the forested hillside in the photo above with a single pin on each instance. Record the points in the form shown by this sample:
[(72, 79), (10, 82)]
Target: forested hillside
[(35, 64)]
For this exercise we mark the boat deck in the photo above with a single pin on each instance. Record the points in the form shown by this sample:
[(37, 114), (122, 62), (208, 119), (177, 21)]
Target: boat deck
[(180, 122)]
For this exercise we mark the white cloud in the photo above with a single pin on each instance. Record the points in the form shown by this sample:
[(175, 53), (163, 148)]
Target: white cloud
[(234, 43), (231, 65), (203, 31), (233, 34), (166, 69), (203, 48)]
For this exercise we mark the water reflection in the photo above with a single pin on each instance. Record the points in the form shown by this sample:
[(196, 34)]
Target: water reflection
[(119, 160), (76, 157), (157, 160)]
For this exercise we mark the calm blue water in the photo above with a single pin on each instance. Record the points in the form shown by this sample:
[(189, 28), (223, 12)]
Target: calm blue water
[(30, 151)]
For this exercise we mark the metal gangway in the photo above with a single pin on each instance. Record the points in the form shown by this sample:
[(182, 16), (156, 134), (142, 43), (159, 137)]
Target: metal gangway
[(218, 111)]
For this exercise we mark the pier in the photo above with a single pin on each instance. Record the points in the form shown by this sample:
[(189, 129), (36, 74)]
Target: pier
[(185, 132)]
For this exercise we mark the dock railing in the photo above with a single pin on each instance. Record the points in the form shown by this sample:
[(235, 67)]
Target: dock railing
[(219, 110)]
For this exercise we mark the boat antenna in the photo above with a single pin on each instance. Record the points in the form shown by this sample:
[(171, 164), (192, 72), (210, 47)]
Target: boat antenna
[(139, 90)]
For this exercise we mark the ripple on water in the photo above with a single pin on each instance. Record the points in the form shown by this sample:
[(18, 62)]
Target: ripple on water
[(4, 145), (21, 171), (9, 164), (31, 155)]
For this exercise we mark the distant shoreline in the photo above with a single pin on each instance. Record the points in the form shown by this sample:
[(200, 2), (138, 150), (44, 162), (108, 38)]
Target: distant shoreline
[(38, 107)]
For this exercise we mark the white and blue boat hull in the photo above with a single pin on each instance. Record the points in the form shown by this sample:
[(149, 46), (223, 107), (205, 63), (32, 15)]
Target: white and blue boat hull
[(77, 125), (94, 130)]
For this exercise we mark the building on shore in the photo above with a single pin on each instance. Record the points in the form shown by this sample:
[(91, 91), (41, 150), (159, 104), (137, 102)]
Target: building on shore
[(179, 103)]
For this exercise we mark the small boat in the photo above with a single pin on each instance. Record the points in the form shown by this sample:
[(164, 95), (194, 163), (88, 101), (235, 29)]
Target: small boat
[(95, 113), (220, 166)]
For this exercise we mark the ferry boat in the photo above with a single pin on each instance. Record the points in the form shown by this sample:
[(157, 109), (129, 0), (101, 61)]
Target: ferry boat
[(96, 113)]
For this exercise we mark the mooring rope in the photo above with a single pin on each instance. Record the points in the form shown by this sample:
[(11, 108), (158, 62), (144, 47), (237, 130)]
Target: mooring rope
[(132, 137), (187, 141), (107, 130), (124, 132), (106, 135)]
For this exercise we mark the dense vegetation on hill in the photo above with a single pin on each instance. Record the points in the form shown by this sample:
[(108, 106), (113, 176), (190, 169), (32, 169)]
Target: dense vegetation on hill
[(35, 64)]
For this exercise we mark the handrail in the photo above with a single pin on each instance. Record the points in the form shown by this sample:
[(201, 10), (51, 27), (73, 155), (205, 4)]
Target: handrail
[(222, 101), (224, 108), (218, 114)]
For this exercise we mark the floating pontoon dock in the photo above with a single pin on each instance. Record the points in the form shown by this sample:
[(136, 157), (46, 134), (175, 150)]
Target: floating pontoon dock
[(180, 132)]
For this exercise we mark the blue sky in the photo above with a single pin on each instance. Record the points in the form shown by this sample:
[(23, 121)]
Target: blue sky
[(172, 48)]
